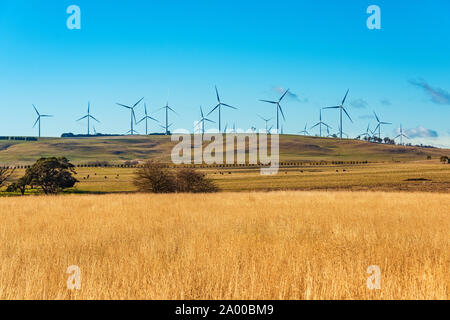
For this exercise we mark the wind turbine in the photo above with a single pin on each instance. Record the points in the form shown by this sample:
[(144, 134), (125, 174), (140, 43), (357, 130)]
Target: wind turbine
[(367, 131), (38, 120), (146, 118), (219, 106), (203, 119), (328, 133), (88, 116), (401, 135), (342, 133), (320, 123), (305, 132), (341, 108), (278, 106), (266, 120), (167, 108), (379, 125), (133, 116)]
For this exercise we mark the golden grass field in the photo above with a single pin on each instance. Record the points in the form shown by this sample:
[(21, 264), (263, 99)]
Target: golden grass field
[(278, 245)]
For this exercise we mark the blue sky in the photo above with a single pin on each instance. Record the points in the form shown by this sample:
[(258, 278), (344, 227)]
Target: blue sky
[(249, 49)]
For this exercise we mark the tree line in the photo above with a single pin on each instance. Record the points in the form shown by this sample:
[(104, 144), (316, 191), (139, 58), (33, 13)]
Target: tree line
[(53, 175)]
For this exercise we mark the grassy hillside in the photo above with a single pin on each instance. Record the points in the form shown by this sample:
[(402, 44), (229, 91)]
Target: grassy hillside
[(122, 148)]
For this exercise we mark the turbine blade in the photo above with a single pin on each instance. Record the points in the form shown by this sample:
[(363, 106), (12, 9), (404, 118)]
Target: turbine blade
[(376, 117), (35, 109), (209, 120), (281, 110), (34, 125), (314, 126), (122, 105), (217, 94), (335, 107), (273, 102), (94, 118), (345, 97), (172, 110), (283, 95), (227, 105), (138, 102), (82, 118), (347, 114), (213, 110)]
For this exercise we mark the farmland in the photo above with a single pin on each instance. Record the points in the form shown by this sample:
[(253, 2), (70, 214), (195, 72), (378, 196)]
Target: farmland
[(279, 245), (332, 213)]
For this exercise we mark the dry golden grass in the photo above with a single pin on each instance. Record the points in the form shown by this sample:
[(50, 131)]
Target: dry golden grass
[(281, 245)]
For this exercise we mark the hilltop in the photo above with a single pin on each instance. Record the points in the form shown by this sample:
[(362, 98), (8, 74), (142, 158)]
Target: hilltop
[(118, 149)]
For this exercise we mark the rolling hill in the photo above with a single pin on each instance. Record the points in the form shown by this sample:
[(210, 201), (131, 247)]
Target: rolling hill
[(117, 149)]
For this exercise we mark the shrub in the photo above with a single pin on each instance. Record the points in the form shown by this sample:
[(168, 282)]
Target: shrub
[(189, 180), (154, 177), (158, 178)]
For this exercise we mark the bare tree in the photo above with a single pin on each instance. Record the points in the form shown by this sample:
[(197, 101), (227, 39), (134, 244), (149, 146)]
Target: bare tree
[(5, 174)]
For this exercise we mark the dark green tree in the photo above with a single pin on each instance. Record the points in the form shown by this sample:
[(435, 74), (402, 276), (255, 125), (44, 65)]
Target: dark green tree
[(51, 174)]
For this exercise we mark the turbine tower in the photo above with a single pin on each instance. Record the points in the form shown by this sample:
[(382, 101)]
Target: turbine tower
[(88, 116), (343, 133), (320, 123), (132, 116), (219, 106), (38, 120), (266, 120), (401, 135), (146, 118), (167, 108), (379, 125), (278, 107), (341, 108)]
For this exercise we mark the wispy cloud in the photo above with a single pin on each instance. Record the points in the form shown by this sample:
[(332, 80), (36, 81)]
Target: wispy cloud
[(367, 117), (385, 102), (359, 104), (290, 94), (421, 132), (437, 95)]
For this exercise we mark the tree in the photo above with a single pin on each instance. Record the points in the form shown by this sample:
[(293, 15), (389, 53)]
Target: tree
[(189, 180), (5, 174), (444, 159), (51, 174), (19, 185), (154, 177), (157, 178)]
